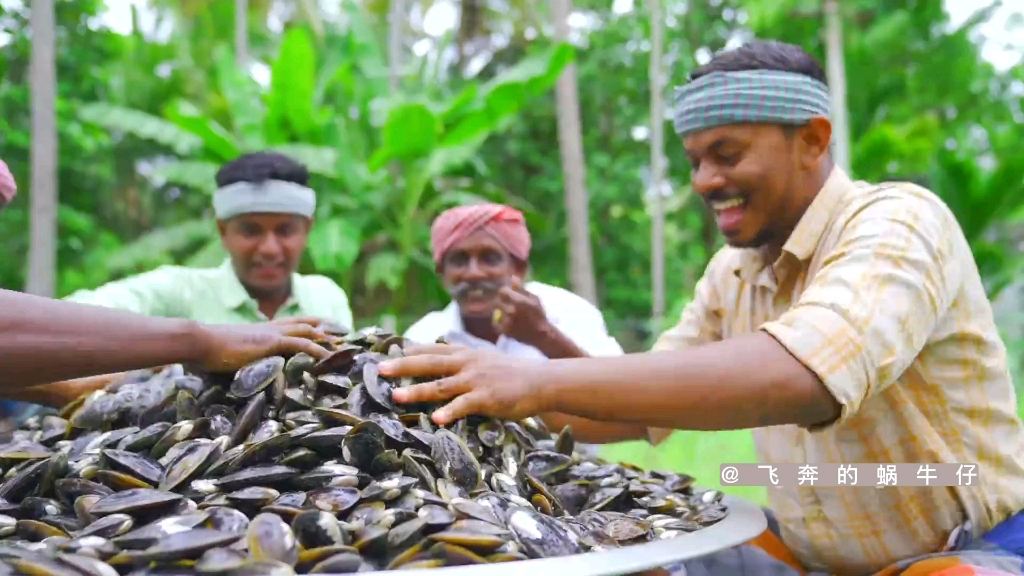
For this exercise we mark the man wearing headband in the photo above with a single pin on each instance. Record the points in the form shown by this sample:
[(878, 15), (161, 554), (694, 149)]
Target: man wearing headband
[(46, 340), (482, 254), (845, 323), (264, 212)]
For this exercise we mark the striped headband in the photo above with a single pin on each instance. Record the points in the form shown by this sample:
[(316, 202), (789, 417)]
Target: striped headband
[(756, 96)]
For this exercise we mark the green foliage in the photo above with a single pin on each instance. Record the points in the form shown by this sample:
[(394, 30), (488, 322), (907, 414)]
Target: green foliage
[(139, 149)]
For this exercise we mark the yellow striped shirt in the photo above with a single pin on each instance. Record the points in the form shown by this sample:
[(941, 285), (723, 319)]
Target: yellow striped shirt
[(878, 293)]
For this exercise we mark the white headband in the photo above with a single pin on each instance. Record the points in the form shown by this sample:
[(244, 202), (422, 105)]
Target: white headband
[(275, 196)]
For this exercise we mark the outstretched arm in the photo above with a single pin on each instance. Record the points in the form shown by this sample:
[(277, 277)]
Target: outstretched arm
[(859, 324), (47, 340)]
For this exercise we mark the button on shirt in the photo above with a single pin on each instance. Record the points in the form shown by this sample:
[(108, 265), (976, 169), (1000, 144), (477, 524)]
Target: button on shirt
[(215, 296), (877, 292), (578, 319)]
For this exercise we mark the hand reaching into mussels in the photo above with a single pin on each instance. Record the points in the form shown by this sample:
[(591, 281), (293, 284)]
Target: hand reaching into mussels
[(476, 382)]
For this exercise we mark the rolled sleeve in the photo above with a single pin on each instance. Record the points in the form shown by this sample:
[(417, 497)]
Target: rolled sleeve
[(877, 298), (828, 345)]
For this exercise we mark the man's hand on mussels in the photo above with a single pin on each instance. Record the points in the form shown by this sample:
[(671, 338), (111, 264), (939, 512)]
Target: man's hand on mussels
[(476, 381)]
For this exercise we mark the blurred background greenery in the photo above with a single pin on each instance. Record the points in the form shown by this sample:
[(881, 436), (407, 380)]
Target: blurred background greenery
[(447, 101)]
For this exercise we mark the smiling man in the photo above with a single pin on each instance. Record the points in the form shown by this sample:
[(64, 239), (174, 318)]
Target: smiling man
[(845, 322), (264, 212), (90, 339), (482, 254)]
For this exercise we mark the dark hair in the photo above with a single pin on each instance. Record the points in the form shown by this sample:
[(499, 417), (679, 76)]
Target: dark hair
[(261, 166), (764, 55)]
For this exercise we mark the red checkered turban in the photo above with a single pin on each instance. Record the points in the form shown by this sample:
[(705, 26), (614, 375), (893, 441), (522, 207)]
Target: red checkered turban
[(8, 188), (504, 223)]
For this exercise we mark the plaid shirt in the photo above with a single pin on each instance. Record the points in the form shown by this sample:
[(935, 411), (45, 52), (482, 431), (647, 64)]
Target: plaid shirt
[(877, 292)]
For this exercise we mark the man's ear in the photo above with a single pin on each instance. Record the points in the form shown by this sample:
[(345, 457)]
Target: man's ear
[(222, 227), (814, 141)]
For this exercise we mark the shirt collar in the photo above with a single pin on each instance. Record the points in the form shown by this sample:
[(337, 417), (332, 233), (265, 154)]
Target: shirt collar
[(235, 296), (808, 232)]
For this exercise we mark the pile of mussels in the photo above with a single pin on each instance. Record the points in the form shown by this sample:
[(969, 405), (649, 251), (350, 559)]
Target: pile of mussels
[(298, 466)]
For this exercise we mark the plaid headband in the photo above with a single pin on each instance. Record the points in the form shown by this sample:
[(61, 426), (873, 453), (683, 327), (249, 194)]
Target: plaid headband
[(761, 96)]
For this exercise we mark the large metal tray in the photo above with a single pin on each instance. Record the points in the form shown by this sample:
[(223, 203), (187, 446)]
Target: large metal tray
[(744, 522)]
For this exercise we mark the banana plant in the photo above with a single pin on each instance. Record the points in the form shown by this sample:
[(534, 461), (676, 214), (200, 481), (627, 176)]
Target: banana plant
[(288, 119), (428, 139), (331, 109)]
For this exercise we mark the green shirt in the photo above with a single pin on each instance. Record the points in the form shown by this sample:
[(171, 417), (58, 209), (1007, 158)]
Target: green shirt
[(215, 296)]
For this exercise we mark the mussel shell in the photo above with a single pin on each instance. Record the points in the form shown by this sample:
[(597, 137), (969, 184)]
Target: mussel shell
[(542, 536), (137, 499), (269, 538), (455, 461), (316, 528), (257, 376), (188, 545)]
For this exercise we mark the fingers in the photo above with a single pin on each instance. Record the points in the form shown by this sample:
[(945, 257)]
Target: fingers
[(460, 407), (301, 330), (425, 366), (438, 349), (506, 295), (292, 344), (436, 391), (510, 296)]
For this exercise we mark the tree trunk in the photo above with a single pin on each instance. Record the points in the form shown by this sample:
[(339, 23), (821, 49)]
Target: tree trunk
[(657, 169), (396, 18), (570, 143), (42, 252), (242, 32), (837, 84)]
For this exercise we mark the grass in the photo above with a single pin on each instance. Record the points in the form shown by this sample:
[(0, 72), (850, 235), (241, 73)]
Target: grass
[(701, 454)]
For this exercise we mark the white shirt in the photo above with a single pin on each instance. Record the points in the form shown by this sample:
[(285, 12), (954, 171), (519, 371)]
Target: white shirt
[(577, 319)]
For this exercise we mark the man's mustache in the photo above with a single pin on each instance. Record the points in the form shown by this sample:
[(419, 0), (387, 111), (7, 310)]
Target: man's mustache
[(488, 287)]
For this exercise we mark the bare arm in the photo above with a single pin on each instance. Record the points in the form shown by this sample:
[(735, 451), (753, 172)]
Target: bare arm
[(593, 431), (693, 389), (761, 384), (862, 320), (554, 344), (44, 341), (49, 340)]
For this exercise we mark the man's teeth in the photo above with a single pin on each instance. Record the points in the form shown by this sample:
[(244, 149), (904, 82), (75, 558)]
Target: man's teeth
[(726, 204)]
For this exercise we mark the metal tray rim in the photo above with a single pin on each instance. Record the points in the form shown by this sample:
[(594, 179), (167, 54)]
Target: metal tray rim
[(744, 522)]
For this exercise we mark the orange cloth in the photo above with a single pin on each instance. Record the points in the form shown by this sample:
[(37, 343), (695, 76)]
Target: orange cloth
[(506, 224)]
